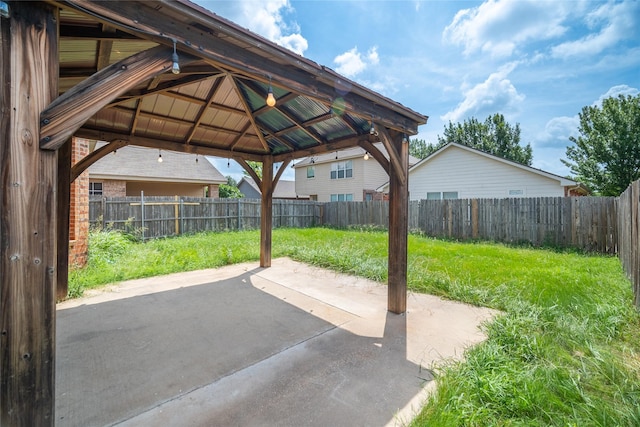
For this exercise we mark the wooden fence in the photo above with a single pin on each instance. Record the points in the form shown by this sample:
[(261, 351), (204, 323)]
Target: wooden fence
[(152, 217), (629, 237), (588, 223)]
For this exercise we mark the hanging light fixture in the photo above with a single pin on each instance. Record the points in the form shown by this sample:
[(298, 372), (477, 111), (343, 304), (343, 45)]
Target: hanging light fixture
[(271, 100), (336, 155), (159, 156), (228, 163), (196, 158), (366, 155), (175, 67)]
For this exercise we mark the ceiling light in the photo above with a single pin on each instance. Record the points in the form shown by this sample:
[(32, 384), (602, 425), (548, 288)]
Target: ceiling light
[(159, 156), (271, 100), (366, 155), (175, 68)]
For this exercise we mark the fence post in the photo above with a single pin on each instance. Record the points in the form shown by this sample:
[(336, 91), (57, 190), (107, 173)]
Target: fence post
[(238, 215), (181, 215), (177, 212), (104, 212), (142, 213)]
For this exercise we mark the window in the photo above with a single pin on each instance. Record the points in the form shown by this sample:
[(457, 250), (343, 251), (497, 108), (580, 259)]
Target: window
[(446, 195), (515, 193), (450, 195), (342, 197), (95, 189), (311, 172), (341, 170)]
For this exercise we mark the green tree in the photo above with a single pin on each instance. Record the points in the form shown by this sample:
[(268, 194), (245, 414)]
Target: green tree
[(494, 136), (257, 168), (419, 148), (230, 189), (606, 154)]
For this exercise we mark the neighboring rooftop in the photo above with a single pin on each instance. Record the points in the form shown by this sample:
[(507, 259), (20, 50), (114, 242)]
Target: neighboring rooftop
[(141, 164)]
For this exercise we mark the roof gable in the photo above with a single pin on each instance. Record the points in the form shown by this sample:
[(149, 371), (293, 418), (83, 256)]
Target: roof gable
[(141, 164), (453, 145)]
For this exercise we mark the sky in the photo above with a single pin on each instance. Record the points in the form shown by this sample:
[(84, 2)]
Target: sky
[(536, 62)]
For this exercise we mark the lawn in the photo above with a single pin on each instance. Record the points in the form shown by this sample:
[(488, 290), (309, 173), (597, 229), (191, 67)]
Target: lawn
[(565, 353)]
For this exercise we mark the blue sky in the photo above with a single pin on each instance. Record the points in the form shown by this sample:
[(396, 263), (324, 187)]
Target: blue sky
[(536, 62)]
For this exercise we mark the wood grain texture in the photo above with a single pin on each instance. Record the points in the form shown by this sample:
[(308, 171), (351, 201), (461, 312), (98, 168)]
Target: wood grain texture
[(28, 249), (266, 217)]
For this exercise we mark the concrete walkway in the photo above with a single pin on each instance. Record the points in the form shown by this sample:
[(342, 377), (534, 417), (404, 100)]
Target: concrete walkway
[(291, 345)]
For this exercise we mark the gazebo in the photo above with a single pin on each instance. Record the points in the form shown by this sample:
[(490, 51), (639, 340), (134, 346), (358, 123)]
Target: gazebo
[(168, 75)]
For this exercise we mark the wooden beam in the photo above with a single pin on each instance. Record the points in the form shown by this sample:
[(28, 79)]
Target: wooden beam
[(63, 201), (68, 112), (398, 227), (376, 154), (249, 170), (247, 109), (29, 68), (203, 109), (282, 168), (94, 156), (394, 155), (266, 214), (165, 145), (336, 145)]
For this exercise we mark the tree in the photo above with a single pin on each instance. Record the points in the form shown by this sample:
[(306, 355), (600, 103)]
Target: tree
[(420, 149), (230, 189), (495, 136), (257, 168), (606, 154)]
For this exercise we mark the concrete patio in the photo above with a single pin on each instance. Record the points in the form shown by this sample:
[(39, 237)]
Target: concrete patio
[(289, 345)]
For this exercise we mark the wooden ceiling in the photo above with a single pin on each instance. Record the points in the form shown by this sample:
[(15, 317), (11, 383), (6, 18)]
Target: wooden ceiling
[(216, 105)]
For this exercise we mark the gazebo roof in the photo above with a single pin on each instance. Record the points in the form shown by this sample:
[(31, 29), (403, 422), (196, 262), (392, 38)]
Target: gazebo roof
[(217, 103)]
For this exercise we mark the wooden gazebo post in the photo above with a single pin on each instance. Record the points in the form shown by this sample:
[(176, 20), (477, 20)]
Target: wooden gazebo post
[(398, 150), (28, 81), (266, 212)]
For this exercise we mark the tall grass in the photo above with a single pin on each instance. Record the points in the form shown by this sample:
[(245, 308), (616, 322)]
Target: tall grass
[(564, 353)]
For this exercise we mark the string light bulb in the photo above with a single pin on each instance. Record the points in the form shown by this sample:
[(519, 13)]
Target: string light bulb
[(271, 100), (366, 155), (159, 156), (175, 67)]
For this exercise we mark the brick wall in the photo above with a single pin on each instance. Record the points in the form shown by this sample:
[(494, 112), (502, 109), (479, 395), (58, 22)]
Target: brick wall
[(113, 188), (79, 212)]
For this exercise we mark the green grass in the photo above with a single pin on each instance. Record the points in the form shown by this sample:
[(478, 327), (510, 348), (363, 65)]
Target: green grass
[(564, 353)]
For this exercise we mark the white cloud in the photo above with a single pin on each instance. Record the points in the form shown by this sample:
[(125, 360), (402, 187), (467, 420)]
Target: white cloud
[(265, 18), (499, 27), (614, 91), (352, 62), (558, 130), (495, 95), (616, 22)]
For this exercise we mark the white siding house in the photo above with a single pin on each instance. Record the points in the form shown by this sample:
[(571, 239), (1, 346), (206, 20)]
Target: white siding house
[(459, 172), (342, 176)]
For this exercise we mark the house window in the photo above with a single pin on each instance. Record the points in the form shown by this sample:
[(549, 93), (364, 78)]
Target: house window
[(311, 172), (341, 170), (342, 197), (516, 193), (95, 189), (450, 195), (446, 195)]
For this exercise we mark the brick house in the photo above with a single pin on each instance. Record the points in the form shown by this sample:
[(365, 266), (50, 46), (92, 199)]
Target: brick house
[(128, 172)]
